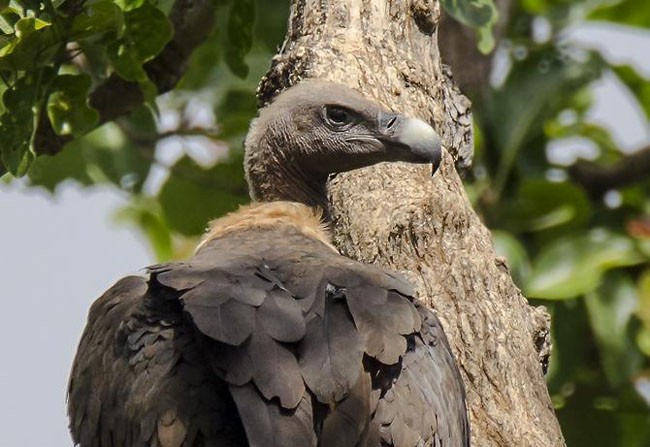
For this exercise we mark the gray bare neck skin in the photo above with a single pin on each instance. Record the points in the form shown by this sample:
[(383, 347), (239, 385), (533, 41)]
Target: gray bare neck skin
[(292, 184)]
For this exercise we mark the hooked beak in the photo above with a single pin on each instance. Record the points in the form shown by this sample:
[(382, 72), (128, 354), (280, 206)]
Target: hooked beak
[(412, 139)]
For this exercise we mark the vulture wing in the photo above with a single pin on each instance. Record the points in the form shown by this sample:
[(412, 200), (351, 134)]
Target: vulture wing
[(139, 377), (265, 337), (426, 404)]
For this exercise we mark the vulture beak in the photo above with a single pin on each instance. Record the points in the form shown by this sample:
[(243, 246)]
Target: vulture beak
[(413, 135)]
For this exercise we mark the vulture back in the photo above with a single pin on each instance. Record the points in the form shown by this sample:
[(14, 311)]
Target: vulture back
[(266, 337)]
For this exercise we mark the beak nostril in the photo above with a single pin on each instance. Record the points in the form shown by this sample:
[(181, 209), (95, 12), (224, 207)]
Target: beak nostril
[(391, 122)]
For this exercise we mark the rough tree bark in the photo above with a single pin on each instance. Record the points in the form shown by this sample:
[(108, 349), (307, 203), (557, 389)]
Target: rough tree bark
[(401, 218)]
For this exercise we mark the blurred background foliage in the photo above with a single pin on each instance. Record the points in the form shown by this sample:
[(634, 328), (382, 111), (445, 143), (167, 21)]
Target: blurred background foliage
[(577, 240)]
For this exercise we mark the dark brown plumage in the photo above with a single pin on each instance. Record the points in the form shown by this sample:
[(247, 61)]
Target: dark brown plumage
[(267, 336)]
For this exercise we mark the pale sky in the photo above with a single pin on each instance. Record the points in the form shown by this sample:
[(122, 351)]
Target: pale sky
[(59, 254), (57, 257)]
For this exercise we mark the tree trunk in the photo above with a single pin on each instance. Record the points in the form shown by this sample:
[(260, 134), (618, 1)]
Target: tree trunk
[(399, 217)]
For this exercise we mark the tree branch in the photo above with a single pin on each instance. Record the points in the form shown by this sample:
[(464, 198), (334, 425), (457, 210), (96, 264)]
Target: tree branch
[(597, 180), (192, 21)]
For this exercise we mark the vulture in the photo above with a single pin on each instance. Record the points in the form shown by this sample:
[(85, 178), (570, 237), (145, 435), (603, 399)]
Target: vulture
[(267, 336)]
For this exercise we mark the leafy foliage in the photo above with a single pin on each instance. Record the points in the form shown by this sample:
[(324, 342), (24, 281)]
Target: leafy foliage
[(574, 265), (623, 12), (43, 51), (240, 36), (67, 108), (180, 158), (17, 124)]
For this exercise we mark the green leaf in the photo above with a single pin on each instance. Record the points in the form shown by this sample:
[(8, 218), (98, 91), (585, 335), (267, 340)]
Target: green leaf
[(192, 196), (611, 307), (97, 19), (534, 6), (128, 5), (624, 12), (240, 36), (475, 13), (478, 14), (574, 265), (128, 65), (16, 159), (540, 205), (34, 45), (68, 164), (485, 39), (148, 30), (126, 62), (68, 108), (18, 7), (22, 106), (7, 27), (637, 84)]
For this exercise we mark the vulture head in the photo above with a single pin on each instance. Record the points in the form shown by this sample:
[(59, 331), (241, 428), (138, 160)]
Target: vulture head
[(318, 128)]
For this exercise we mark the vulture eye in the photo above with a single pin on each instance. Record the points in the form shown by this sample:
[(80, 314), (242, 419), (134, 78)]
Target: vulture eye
[(337, 118)]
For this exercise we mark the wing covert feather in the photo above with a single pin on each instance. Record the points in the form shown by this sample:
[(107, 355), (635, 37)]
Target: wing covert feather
[(331, 353), (267, 424), (230, 322), (275, 370), (281, 317), (348, 424)]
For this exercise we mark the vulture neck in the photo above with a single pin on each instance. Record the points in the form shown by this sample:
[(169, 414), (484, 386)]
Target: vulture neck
[(293, 185), (276, 215), (275, 176)]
